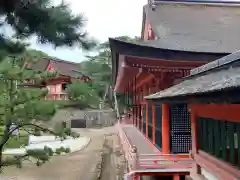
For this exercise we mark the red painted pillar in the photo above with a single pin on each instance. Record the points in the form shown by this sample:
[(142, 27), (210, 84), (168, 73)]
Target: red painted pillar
[(165, 129), (196, 169), (176, 177), (194, 130)]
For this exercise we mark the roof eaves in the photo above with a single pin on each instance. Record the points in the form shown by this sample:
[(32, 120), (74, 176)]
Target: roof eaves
[(214, 81)]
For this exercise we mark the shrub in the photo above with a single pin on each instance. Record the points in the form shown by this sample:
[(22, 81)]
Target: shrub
[(58, 151), (67, 150), (48, 150), (62, 149), (75, 135), (68, 131)]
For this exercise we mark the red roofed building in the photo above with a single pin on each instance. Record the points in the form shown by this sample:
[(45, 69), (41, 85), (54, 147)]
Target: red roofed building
[(67, 71)]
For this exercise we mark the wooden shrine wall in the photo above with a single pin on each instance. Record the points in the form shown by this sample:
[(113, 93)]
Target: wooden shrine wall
[(220, 139)]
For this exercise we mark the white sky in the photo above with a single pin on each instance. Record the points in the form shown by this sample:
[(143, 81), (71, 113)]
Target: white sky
[(106, 18)]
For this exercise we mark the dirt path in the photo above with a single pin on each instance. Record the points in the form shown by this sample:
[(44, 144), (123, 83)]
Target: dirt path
[(75, 166), (112, 160)]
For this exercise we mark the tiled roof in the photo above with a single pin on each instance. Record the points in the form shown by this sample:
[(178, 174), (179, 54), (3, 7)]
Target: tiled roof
[(214, 64), (65, 68), (39, 65), (195, 27), (213, 81)]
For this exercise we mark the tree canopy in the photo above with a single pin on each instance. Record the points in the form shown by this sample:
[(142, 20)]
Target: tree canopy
[(99, 68), (51, 24), (20, 105)]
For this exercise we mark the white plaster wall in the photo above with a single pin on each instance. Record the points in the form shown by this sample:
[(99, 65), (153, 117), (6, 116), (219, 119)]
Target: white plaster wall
[(58, 88)]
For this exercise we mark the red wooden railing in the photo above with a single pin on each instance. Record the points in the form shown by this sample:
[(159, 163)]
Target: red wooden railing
[(151, 161)]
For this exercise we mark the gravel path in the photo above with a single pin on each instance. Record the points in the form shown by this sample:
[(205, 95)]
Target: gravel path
[(75, 166)]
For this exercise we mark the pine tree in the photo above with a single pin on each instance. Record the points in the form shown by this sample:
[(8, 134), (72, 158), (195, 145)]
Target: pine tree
[(52, 24), (21, 105)]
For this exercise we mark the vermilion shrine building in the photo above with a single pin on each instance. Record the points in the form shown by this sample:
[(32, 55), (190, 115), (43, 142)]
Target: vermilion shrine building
[(67, 71), (212, 95), (177, 37)]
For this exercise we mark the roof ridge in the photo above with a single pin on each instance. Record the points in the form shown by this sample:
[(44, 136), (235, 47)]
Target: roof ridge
[(60, 60)]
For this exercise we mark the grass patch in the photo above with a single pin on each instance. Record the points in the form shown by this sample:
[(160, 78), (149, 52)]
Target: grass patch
[(15, 142)]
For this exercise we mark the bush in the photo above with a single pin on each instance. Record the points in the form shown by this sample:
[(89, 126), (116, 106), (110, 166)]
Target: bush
[(62, 149), (67, 150), (58, 151), (40, 154), (75, 135), (48, 150), (68, 131)]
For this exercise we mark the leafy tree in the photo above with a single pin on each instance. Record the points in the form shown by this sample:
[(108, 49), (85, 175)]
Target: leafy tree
[(98, 67), (83, 94), (104, 53)]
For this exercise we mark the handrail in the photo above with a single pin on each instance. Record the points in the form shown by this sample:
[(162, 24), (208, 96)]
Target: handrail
[(127, 147), (153, 161)]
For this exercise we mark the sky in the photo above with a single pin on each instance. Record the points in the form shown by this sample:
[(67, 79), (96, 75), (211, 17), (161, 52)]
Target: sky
[(106, 18)]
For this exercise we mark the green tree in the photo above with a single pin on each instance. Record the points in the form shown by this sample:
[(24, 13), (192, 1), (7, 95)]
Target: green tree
[(52, 24), (98, 67), (56, 25), (82, 94), (20, 105), (104, 53)]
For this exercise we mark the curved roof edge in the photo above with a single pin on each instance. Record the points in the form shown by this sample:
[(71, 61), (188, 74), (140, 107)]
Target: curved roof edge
[(156, 50), (119, 47)]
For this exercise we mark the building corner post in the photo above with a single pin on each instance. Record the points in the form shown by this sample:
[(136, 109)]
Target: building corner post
[(165, 129)]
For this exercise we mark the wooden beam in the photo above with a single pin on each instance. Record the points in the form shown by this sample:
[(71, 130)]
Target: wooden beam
[(225, 112), (145, 80)]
